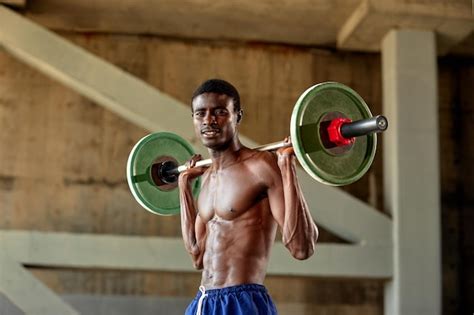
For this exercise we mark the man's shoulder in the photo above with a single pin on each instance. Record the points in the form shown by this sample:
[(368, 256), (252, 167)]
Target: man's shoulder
[(253, 155), (262, 161)]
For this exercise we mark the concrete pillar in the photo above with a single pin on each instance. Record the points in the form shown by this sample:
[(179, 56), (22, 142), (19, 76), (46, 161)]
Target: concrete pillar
[(411, 166)]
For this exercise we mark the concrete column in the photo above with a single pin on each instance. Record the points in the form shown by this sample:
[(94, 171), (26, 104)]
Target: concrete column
[(411, 166)]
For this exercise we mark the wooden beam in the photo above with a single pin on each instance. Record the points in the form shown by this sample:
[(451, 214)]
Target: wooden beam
[(168, 254), (335, 260), (297, 22), (373, 19), (345, 215), (301, 22), (28, 293)]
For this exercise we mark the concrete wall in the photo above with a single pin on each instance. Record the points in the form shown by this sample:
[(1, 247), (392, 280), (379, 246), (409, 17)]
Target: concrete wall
[(62, 158)]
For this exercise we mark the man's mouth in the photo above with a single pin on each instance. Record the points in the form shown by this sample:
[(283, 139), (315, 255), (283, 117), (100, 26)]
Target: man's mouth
[(210, 132)]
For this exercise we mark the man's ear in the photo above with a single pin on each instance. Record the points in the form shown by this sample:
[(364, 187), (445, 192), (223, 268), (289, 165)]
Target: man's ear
[(239, 115)]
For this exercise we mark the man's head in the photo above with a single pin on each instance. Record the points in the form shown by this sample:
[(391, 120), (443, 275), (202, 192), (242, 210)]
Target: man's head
[(216, 113), (219, 87)]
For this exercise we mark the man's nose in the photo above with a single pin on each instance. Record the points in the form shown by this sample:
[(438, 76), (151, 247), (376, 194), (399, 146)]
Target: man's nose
[(209, 118)]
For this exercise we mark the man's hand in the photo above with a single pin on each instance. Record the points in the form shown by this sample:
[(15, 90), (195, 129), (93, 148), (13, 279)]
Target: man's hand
[(192, 171), (286, 152)]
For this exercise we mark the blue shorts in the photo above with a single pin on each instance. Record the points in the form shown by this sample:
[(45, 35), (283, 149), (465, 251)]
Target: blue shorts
[(245, 299)]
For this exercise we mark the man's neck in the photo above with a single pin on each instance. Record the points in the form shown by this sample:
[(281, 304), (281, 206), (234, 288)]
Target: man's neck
[(227, 156)]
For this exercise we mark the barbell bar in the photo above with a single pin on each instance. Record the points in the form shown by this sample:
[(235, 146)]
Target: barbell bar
[(348, 131), (332, 131)]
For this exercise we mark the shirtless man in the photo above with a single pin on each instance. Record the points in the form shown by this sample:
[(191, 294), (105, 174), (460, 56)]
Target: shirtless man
[(245, 195)]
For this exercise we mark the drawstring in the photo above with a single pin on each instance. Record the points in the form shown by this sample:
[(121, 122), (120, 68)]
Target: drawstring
[(203, 295)]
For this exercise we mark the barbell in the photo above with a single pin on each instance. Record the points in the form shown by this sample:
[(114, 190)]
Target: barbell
[(332, 131)]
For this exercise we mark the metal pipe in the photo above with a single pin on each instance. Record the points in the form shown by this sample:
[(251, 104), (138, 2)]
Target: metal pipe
[(349, 130), (267, 147)]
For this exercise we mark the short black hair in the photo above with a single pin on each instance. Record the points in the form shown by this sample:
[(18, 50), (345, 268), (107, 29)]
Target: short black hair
[(220, 87)]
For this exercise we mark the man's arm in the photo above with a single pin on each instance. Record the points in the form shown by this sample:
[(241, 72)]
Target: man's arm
[(289, 208), (192, 227)]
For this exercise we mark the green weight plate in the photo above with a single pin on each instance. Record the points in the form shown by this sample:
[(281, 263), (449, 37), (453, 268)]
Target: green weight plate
[(324, 165), (147, 151)]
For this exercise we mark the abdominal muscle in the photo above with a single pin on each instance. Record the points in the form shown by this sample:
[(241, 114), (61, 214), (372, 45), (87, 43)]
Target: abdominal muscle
[(237, 250)]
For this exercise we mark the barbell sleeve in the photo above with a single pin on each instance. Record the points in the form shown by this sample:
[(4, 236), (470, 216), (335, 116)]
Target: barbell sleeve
[(365, 126)]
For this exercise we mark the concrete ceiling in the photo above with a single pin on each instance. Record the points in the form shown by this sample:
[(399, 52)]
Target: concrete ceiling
[(357, 25)]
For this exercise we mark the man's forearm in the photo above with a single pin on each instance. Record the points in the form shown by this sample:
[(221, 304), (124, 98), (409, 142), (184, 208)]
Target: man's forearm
[(188, 216), (299, 231)]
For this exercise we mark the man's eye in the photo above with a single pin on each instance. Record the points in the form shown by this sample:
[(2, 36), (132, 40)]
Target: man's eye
[(221, 112), (199, 114)]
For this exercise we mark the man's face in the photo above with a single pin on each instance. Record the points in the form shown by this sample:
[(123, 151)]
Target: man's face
[(215, 120)]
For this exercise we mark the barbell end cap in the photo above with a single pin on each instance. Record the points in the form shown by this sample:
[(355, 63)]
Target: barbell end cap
[(382, 123)]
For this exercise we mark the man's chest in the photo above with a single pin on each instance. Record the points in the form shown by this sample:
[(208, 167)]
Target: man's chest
[(229, 194)]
